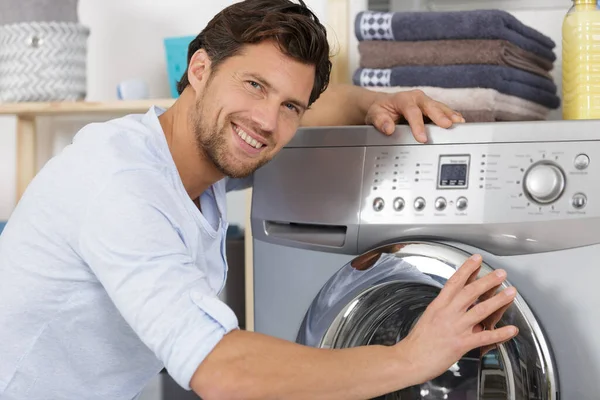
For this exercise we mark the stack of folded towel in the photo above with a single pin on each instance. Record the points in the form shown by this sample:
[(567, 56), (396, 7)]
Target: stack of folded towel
[(485, 64)]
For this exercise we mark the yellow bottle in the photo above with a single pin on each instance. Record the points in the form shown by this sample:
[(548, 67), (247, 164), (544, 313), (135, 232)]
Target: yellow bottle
[(581, 61)]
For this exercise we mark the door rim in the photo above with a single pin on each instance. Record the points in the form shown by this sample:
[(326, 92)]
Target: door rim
[(328, 315)]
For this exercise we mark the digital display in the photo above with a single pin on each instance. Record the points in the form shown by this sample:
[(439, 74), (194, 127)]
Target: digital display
[(453, 175)]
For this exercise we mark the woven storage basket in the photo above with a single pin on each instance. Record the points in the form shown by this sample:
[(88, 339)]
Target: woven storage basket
[(43, 61), (17, 11)]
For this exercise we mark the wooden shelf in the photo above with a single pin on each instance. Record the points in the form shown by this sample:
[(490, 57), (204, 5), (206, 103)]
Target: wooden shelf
[(26, 113), (34, 109)]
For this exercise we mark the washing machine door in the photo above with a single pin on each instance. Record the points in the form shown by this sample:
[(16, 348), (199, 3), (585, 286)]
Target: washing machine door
[(379, 296)]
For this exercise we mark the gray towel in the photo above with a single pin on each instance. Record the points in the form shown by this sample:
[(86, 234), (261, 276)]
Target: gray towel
[(444, 25), (504, 79), (389, 54)]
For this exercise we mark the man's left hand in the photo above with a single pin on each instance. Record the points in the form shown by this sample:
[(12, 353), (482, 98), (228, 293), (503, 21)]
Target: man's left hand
[(413, 105)]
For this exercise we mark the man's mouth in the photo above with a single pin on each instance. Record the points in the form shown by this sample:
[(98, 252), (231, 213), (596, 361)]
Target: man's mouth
[(246, 137)]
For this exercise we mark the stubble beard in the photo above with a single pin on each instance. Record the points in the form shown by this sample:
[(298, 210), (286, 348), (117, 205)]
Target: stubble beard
[(211, 143)]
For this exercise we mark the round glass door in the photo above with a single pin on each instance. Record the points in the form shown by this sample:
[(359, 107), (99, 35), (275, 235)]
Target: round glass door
[(377, 298)]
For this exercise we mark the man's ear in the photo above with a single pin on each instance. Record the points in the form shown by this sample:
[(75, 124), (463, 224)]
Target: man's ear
[(199, 69)]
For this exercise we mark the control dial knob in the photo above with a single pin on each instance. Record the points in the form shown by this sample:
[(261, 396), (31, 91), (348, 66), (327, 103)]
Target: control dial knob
[(544, 182)]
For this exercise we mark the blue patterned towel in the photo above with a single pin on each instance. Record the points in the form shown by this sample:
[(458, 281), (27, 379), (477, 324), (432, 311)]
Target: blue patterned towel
[(506, 80), (447, 25)]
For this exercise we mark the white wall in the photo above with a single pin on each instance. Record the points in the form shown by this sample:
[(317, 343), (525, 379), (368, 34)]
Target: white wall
[(126, 41)]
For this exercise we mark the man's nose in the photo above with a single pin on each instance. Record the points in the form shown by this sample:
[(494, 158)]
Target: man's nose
[(266, 115)]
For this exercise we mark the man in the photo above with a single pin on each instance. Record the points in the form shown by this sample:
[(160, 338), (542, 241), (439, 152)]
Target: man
[(112, 261)]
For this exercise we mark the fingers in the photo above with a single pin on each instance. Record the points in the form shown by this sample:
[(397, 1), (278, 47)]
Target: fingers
[(491, 321), (383, 122), (414, 117), (489, 307), (413, 105), (489, 293), (449, 113), (473, 276), (438, 113), (487, 338), (457, 281), (473, 291), (457, 117), (486, 349)]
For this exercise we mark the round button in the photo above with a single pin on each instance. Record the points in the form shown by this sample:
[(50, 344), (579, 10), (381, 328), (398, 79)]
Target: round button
[(398, 204), (544, 182), (440, 204), (420, 204), (579, 201), (582, 161), (378, 204), (462, 203)]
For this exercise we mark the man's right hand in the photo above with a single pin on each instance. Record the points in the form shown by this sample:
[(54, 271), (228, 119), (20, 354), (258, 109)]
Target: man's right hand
[(451, 326)]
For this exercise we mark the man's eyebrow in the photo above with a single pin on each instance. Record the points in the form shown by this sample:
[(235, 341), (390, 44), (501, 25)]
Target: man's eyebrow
[(266, 84)]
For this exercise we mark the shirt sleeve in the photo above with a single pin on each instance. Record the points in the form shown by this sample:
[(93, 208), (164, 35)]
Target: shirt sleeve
[(132, 240)]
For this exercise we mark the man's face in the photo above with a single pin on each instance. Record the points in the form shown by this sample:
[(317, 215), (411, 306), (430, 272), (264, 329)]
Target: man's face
[(250, 108)]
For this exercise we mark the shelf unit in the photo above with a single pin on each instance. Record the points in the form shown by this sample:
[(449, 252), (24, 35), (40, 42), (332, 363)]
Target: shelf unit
[(27, 112), (66, 108)]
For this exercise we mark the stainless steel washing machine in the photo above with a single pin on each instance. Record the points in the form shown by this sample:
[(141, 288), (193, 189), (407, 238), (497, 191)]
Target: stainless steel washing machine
[(354, 233)]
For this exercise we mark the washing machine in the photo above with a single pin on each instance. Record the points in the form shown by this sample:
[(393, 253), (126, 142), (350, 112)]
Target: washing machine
[(355, 232)]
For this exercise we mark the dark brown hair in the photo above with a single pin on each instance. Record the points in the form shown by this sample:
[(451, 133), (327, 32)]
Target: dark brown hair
[(294, 27)]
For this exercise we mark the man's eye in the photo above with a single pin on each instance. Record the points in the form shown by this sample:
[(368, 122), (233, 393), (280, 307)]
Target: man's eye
[(292, 107), (254, 84)]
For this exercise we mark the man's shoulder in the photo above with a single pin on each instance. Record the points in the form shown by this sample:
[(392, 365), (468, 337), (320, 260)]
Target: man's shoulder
[(127, 128), (125, 143)]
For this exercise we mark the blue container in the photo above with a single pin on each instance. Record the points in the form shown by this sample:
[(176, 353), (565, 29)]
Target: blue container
[(2, 223), (176, 49)]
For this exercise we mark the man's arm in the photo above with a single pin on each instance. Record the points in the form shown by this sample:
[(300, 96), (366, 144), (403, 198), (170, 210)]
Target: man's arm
[(341, 104), (344, 104), (248, 365), (133, 238)]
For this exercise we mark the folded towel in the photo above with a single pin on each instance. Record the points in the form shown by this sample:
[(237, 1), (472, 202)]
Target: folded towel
[(479, 104), (504, 79), (388, 54), (496, 116), (444, 25)]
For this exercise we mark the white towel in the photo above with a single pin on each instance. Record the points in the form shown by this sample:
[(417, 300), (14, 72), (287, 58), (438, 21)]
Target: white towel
[(482, 104)]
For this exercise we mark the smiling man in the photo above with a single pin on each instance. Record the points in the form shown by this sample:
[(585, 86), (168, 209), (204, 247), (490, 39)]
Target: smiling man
[(111, 264)]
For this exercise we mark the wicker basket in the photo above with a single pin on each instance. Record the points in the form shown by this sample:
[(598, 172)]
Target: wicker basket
[(17, 11), (43, 61)]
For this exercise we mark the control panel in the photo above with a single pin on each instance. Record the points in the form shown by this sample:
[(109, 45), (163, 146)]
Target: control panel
[(480, 183)]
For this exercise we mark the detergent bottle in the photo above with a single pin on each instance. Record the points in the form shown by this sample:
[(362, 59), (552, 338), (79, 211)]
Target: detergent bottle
[(581, 61)]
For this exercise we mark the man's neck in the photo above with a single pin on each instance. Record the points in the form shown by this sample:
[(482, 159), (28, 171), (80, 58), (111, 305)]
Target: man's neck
[(196, 171)]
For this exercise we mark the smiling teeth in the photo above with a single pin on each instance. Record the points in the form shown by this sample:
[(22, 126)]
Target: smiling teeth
[(247, 138)]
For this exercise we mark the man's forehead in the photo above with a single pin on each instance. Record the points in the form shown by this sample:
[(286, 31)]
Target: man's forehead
[(262, 51), (275, 69)]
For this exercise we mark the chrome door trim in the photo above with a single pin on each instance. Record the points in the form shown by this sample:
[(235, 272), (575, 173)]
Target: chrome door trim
[(332, 317)]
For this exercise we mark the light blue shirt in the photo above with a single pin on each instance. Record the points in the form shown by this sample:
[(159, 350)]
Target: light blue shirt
[(108, 270)]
